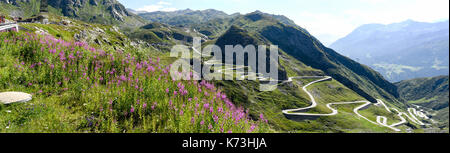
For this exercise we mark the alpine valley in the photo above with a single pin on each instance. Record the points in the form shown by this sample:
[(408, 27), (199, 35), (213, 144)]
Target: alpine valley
[(97, 67)]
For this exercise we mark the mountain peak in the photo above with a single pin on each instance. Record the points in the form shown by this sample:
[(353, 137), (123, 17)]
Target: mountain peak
[(256, 16), (106, 11)]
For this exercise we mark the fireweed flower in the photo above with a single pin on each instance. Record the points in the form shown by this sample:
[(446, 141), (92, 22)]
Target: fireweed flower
[(144, 105), (65, 54), (252, 128), (62, 56), (216, 118), (154, 105), (210, 127), (181, 112), (123, 78)]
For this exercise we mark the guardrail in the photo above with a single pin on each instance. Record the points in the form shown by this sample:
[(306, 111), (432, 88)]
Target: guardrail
[(6, 26)]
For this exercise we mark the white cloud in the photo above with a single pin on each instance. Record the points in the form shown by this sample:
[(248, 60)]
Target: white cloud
[(160, 6)]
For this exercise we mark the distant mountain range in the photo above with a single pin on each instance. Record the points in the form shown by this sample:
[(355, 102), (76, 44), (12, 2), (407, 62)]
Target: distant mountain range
[(400, 51), (203, 19), (183, 17)]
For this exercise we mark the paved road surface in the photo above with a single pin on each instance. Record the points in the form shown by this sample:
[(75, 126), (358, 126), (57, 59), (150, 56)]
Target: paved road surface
[(6, 26)]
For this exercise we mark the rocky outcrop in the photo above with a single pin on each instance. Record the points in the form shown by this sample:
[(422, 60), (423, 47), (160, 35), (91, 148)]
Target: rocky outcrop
[(118, 11), (71, 8), (111, 10)]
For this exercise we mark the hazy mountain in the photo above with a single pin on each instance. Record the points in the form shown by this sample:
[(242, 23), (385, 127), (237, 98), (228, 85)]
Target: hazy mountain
[(400, 51), (431, 93), (97, 11)]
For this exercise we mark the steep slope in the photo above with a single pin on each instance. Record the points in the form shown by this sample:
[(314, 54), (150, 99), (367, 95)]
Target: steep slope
[(97, 11), (431, 93), (305, 48), (237, 36), (400, 51), (289, 95)]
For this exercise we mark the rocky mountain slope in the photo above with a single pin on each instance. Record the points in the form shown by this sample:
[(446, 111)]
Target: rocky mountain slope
[(400, 51), (299, 44), (97, 11)]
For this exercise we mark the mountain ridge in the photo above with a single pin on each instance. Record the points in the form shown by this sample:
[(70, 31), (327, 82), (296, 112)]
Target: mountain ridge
[(307, 49), (109, 12)]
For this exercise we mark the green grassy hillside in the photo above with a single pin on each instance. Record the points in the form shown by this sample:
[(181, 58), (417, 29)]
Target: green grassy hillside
[(291, 95), (299, 44), (431, 93), (78, 88)]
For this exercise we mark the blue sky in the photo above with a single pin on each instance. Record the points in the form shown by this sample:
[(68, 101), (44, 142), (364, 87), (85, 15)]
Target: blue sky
[(328, 20)]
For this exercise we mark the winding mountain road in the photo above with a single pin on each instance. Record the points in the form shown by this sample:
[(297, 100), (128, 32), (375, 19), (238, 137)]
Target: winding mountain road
[(242, 73), (381, 120)]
